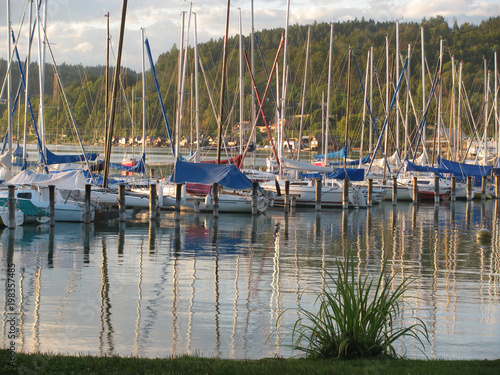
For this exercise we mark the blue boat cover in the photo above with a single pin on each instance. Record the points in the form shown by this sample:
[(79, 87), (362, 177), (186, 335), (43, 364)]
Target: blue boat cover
[(352, 174), (424, 168), (337, 154), (140, 167), (63, 159), (365, 160), (462, 170), (227, 175)]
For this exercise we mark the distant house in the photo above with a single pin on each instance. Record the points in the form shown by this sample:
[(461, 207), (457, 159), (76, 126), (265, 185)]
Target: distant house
[(314, 144)]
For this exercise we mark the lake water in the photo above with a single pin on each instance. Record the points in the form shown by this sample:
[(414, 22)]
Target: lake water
[(217, 287)]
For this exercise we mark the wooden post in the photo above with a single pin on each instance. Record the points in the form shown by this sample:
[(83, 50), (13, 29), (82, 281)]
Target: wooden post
[(255, 197), (469, 188), (370, 192), (121, 202), (153, 205), (152, 173), (178, 198), (52, 205), (215, 198), (318, 194), (483, 187), (415, 189), (453, 193), (497, 186), (394, 190), (88, 189), (293, 200), (345, 195), (12, 207), (436, 189), (286, 201)]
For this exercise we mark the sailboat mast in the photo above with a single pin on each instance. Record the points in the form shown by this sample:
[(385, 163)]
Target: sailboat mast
[(252, 64), (440, 98), (241, 82), (306, 68), (179, 92), (485, 136), (196, 91), (497, 121), (407, 102), (41, 81), (143, 94), (9, 81), (370, 144), (346, 140), (284, 79), (26, 89), (223, 85), (386, 104), (424, 131), (106, 83), (328, 92), (364, 109), (107, 156), (397, 93)]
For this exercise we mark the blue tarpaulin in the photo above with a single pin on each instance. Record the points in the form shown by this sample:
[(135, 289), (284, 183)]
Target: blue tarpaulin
[(63, 159), (227, 175), (332, 155), (140, 167), (341, 174), (462, 170)]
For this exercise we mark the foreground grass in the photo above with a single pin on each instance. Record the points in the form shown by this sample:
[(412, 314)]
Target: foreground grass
[(59, 364)]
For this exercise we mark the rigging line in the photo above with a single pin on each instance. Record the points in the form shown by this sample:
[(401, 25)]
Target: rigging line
[(387, 117)]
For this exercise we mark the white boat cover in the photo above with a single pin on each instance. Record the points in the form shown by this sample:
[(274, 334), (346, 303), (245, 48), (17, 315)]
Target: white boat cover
[(70, 180), (6, 160), (5, 174), (297, 165)]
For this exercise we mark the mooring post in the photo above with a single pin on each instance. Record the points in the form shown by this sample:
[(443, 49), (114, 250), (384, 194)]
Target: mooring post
[(318, 193), (370, 192), (394, 190), (345, 194), (12, 207), (483, 187), (178, 198), (122, 203), (415, 189), (436, 189), (469, 188), (255, 197), (88, 189), (215, 197), (52, 205), (286, 201), (453, 192), (497, 186), (153, 203)]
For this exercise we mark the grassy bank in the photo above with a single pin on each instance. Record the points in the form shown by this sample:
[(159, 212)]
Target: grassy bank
[(58, 364)]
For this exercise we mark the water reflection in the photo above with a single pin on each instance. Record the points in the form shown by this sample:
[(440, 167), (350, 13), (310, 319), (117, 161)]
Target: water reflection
[(216, 286)]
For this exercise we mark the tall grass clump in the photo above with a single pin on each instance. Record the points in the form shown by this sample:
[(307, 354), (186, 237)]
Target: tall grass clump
[(357, 317)]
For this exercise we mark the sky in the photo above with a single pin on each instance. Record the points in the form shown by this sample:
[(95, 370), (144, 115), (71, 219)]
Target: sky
[(76, 29)]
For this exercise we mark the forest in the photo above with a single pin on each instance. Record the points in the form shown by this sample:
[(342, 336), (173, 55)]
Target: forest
[(468, 52)]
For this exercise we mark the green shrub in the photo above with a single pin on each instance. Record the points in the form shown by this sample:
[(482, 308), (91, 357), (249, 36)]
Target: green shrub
[(356, 318)]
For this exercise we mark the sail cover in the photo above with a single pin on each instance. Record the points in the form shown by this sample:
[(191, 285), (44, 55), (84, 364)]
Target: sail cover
[(462, 170), (342, 153), (227, 175), (62, 159), (75, 179)]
